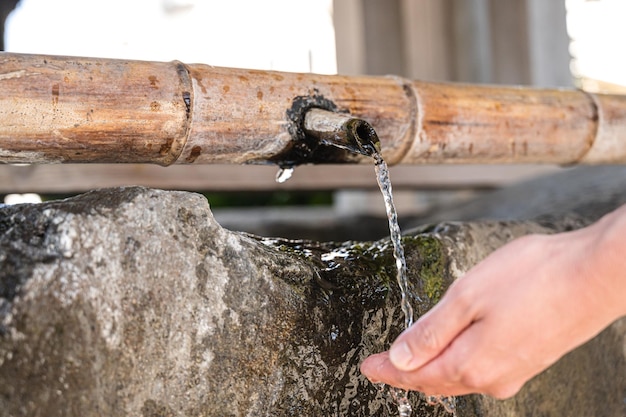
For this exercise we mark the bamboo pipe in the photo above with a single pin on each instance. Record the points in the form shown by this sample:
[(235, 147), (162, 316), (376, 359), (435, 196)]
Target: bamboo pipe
[(80, 110)]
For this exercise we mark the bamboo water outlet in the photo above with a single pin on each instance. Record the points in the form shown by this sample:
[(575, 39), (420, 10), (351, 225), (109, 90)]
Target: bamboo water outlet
[(57, 109), (342, 131)]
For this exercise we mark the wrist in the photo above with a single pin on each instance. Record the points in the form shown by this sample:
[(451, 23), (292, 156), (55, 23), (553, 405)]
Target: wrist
[(607, 260)]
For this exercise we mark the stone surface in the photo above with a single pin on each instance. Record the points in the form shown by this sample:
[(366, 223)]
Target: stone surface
[(136, 302)]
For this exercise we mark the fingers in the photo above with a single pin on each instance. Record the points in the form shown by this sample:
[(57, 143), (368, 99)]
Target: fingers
[(442, 375), (433, 332), (463, 368), (457, 371), (378, 368), (412, 363)]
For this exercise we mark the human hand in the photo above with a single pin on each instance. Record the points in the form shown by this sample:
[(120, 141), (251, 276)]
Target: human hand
[(511, 316)]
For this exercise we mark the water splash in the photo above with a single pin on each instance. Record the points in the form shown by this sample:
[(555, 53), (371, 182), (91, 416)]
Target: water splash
[(448, 403), (401, 397)]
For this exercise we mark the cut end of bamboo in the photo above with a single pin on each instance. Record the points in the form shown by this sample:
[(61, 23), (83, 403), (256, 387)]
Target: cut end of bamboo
[(342, 131)]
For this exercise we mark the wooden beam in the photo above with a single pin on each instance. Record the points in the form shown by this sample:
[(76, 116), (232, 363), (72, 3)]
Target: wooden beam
[(79, 178)]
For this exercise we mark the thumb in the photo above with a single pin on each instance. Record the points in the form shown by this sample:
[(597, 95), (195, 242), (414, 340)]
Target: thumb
[(432, 333)]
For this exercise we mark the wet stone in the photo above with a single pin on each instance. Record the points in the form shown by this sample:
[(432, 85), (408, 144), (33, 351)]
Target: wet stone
[(134, 301)]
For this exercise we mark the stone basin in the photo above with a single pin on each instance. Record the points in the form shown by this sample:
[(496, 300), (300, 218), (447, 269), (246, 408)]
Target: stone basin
[(134, 301)]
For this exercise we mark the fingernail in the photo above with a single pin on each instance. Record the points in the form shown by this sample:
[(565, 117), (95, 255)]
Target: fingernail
[(400, 355)]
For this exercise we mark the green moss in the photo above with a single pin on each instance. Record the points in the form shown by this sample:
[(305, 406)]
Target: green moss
[(431, 264)]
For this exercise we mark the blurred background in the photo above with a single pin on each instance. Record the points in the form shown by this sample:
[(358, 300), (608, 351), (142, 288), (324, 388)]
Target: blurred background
[(543, 43)]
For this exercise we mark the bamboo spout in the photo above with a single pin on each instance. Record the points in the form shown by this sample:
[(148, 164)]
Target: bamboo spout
[(70, 110), (342, 131)]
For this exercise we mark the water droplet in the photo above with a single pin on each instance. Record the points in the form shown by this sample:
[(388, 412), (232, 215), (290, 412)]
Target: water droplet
[(284, 174)]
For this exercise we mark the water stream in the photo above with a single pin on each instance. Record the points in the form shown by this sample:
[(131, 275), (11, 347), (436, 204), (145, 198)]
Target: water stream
[(382, 177), (384, 183)]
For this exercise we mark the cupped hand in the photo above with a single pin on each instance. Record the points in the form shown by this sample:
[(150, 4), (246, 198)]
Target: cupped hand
[(510, 317)]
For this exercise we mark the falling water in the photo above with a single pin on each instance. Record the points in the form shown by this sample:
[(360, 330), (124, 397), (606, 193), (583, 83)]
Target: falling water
[(382, 176)]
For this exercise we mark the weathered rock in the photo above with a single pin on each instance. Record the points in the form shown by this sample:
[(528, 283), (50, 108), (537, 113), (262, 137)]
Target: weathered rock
[(136, 302)]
